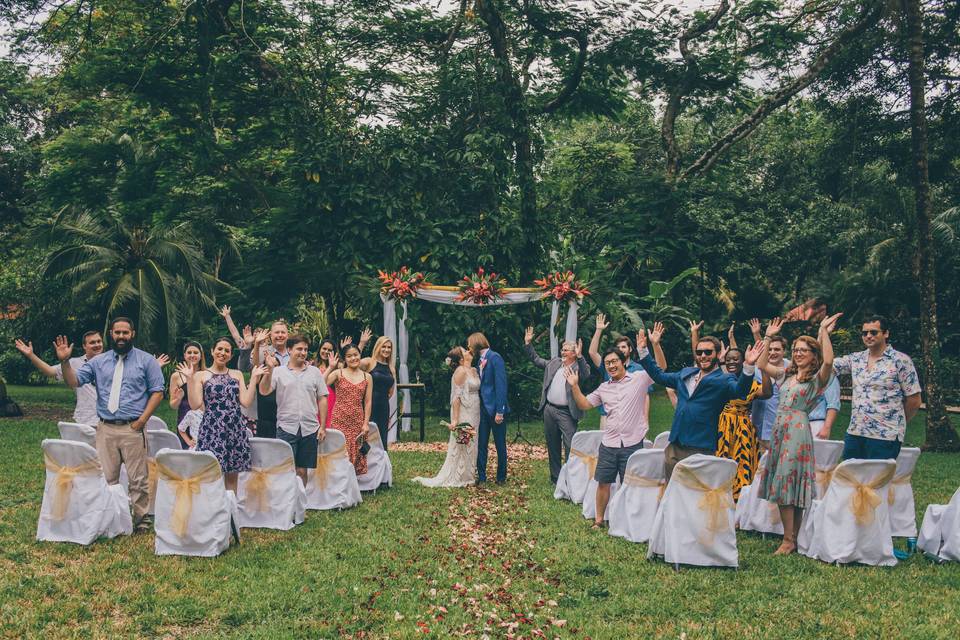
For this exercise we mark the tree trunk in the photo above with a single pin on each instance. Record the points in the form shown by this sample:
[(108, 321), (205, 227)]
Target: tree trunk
[(941, 436)]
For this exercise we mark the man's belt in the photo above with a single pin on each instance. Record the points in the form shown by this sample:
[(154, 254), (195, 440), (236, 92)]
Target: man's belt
[(105, 421)]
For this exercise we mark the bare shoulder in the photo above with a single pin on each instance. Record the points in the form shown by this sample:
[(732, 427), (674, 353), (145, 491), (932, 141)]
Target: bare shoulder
[(460, 376)]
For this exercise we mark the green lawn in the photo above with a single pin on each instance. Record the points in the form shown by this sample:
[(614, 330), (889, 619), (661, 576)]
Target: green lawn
[(414, 562)]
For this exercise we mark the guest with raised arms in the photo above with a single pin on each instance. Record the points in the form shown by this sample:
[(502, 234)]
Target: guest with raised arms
[(194, 358), (221, 392), (301, 404), (886, 394), (351, 414), (493, 406), (624, 345), (624, 395), (129, 386), (85, 408), (790, 477), (764, 412), (382, 370), (737, 438), (702, 393), (561, 414), (276, 351), (460, 466)]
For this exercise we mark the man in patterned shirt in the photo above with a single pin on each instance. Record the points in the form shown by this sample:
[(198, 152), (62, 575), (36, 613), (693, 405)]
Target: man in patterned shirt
[(886, 394)]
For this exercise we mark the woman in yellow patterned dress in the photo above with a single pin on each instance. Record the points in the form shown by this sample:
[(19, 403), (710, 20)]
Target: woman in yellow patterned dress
[(738, 438)]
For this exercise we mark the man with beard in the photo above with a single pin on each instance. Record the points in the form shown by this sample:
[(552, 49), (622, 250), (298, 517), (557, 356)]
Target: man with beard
[(129, 387), (702, 392), (274, 354)]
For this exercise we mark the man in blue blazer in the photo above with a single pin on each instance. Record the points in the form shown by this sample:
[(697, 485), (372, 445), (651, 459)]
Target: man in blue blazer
[(493, 406), (702, 392)]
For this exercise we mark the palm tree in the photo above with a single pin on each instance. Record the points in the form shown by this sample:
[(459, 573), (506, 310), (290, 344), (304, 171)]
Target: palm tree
[(155, 274)]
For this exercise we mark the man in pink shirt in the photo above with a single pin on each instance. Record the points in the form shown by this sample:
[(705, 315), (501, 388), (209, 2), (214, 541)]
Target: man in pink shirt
[(624, 396)]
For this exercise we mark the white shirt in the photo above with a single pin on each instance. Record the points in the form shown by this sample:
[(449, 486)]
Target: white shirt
[(298, 393), (85, 411), (557, 393)]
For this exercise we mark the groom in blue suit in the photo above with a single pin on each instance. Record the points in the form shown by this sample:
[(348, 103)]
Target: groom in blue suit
[(493, 406), (702, 392)]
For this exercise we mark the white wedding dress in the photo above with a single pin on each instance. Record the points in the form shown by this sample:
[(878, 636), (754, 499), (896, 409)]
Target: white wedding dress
[(460, 467)]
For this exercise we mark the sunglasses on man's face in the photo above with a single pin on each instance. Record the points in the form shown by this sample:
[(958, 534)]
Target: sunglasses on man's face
[(704, 352), (870, 332)]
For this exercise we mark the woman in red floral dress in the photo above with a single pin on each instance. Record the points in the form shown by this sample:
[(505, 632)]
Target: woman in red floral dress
[(351, 413)]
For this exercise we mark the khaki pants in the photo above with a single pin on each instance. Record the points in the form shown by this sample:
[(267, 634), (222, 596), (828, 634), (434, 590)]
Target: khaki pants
[(674, 453), (116, 444)]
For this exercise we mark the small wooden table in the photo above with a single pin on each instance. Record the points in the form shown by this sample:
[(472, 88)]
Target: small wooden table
[(421, 390)]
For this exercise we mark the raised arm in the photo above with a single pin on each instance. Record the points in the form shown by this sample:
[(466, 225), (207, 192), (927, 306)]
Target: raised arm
[(248, 392), (574, 381), (531, 352), (694, 337), (176, 390), (594, 349), (64, 350), (655, 336), (740, 388), (234, 332), (754, 325), (194, 384), (731, 336), (365, 336), (826, 367), (333, 371), (653, 370), (764, 361), (26, 348)]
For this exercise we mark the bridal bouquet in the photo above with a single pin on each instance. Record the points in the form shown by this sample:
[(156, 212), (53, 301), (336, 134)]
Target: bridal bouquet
[(481, 287), (401, 284), (562, 286), (463, 430)]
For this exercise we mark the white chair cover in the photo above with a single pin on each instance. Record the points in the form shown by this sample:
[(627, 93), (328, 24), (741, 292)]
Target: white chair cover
[(903, 510), (589, 507), (195, 514), (78, 504), (940, 531), (578, 470), (754, 513), (852, 522), (76, 432), (826, 457), (157, 440), (694, 524), (333, 484), (634, 506), (156, 424), (379, 467), (662, 440), (271, 495)]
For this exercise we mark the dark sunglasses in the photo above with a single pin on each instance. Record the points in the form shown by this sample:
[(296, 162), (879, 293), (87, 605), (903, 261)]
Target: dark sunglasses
[(703, 352), (870, 332)]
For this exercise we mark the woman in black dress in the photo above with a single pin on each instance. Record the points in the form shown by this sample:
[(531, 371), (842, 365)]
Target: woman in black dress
[(381, 369)]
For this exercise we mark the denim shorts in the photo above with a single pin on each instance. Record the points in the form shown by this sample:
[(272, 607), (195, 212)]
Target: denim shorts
[(866, 448)]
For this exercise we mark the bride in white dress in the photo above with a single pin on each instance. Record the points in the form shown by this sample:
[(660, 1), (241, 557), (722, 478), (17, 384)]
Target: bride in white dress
[(460, 467)]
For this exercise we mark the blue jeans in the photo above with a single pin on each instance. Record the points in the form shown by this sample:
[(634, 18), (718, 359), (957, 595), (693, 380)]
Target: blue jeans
[(863, 448), (487, 424)]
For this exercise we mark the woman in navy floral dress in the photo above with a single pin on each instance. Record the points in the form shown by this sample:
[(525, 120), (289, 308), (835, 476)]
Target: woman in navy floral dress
[(221, 392)]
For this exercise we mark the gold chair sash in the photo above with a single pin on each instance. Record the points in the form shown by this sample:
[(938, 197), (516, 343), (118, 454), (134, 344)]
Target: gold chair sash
[(258, 486), (373, 435), (325, 466), (864, 501), (152, 479), (63, 484), (823, 478), (906, 478), (716, 501), (588, 459), (185, 488), (634, 480)]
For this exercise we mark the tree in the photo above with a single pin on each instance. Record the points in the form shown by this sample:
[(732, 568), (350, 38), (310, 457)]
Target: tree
[(941, 435), (157, 275)]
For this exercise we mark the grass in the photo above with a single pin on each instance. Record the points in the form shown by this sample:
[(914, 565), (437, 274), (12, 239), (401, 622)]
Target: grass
[(414, 562)]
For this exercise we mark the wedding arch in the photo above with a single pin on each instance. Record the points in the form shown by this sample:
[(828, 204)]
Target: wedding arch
[(478, 289)]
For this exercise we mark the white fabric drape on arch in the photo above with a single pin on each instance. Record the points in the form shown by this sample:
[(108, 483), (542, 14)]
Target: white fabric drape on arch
[(398, 332)]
